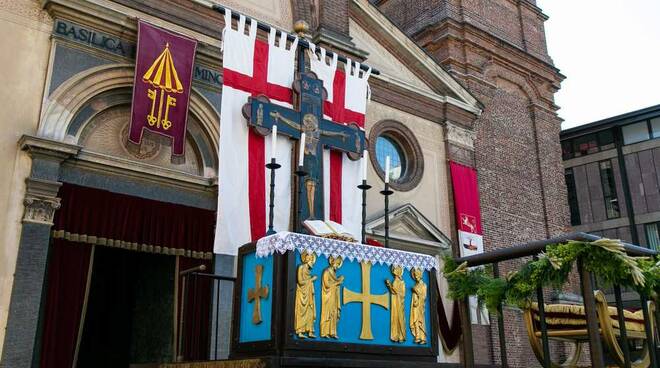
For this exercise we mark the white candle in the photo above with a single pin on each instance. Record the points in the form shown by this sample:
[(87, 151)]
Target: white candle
[(387, 169), (301, 152), (365, 162), (273, 145)]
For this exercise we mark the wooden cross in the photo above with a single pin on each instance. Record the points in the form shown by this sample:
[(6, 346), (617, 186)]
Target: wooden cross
[(319, 133), (255, 295), (367, 299)]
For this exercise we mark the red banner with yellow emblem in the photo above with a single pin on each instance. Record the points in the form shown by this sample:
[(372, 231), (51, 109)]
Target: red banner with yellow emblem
[(161, 88)]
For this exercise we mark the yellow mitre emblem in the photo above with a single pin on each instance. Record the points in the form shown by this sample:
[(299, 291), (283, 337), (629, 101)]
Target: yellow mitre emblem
[(162, 75)]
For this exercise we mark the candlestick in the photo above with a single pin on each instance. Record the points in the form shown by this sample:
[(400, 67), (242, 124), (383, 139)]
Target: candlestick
[(364, 187), (365, 162), (300, 173), (272, 165), (273, 144), (386, 192), (387, 169), (301, 152)]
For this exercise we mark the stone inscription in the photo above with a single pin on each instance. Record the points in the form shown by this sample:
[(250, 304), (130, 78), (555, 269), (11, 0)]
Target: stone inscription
[(102, 41)]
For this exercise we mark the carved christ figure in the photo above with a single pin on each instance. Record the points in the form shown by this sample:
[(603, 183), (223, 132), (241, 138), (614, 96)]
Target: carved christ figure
[(418, 307), (305, 306), (397, 289), (330, 302)]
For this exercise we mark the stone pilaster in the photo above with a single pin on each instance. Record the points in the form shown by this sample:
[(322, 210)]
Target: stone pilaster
[(460, 144), (22, 339)]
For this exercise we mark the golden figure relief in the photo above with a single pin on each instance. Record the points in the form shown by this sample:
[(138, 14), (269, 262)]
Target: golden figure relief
[(305, 305), (367, 299), (255, 295), (397, 308), (330, 298), (162, 75), (418, 307)]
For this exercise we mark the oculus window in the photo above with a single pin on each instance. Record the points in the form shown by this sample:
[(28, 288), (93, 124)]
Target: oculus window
[(393, 139), (386, 146)]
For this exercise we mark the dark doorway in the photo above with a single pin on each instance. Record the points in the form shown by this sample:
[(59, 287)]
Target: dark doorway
[(130, 311)]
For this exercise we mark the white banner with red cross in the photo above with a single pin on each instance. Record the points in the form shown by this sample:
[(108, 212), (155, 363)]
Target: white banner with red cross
[(347, 96), (251, 67)]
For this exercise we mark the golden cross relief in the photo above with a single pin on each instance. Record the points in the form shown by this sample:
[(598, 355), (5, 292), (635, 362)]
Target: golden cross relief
[(255, 295), (367, 299)]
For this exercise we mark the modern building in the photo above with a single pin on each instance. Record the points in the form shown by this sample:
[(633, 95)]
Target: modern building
[(612, 170)]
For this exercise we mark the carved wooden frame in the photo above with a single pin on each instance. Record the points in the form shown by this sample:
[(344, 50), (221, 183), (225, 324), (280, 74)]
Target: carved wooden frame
[(405, 138)]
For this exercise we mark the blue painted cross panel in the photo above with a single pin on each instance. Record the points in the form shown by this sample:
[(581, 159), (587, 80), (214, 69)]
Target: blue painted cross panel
[(248, 330), (349, 326)]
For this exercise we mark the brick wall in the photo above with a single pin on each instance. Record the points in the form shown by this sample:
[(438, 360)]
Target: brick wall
[(497, 50)]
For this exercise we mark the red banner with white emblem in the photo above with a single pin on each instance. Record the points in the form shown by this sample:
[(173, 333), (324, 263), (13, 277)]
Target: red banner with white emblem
[(161, 88), (466, 203)]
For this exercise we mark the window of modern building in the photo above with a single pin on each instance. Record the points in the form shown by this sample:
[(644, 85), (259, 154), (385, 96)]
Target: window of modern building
[(605, 140), (653, 235), (655, 127), (609, 190), (572, 197), (585, 145), (634, 133)]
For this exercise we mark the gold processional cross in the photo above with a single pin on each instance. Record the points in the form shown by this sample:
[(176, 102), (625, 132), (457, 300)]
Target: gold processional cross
[(367, 299), (255, 295)]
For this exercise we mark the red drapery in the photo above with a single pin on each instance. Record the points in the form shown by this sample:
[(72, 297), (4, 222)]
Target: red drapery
[(118, 220), (96, 216), (67, 281)]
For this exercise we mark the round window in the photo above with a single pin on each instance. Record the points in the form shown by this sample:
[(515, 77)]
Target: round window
[(386, 146), (389, 138)]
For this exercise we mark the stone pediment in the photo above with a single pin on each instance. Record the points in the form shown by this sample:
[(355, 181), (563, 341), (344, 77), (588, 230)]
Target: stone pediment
[(409, 230)]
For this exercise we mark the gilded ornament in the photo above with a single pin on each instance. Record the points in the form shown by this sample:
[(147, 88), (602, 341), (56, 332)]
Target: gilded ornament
[(418, 307), (397, 289), (255, 295), (367, 299), (305, 305), (330, 298)]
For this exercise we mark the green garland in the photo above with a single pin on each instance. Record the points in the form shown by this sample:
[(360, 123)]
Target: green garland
[(605, 258)]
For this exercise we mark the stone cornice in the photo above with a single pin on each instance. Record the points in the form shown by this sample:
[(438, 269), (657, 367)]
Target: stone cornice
[(47, 147), (121, 21), (468, 33)]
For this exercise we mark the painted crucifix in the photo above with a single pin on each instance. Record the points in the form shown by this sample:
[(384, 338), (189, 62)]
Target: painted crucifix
[(319, 133)]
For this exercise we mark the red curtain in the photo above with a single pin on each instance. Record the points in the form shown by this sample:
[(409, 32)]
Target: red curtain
[(197, 312), (100, 213), (67, 281)]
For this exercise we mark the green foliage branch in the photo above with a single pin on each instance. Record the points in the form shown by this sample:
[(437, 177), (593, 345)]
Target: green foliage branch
[(605, 258)]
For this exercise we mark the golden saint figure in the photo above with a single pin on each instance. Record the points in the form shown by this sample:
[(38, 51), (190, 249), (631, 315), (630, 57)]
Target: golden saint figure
[(397, 306), (418, 307), (330, 303), (305, 307)]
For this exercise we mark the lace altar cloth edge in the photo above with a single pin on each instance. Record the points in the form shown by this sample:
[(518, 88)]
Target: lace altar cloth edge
[(288, 241)]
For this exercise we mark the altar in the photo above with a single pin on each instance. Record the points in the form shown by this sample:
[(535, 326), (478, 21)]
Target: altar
[(299, 295)]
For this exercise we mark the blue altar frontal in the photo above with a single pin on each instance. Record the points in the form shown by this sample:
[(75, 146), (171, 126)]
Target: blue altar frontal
[(301, 294)]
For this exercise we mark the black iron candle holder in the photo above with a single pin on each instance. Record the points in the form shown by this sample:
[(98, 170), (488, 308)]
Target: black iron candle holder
[(364, 187), (272, 166), (386, 192), (300, 173)]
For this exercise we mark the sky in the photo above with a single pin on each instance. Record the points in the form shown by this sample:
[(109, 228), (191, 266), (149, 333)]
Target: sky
[(609, 51)]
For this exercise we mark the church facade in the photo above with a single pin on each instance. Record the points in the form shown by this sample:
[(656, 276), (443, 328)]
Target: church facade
[(471, 90)]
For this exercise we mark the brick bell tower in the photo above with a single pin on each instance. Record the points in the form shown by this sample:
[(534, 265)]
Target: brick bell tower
[(497, 50)]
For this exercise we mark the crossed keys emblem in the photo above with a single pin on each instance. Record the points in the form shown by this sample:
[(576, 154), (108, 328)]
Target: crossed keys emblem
[(162, 75)]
